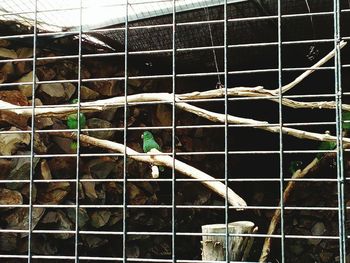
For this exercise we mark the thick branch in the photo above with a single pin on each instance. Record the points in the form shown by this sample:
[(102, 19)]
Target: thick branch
[(165, 160), (263, 125), (116, 102)]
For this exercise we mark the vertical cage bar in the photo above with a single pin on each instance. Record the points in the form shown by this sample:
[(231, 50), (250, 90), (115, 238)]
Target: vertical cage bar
[(280, 121), (227, 248), (339, 131), (76, 252), (31, 172), (125, 125), (173, 210)]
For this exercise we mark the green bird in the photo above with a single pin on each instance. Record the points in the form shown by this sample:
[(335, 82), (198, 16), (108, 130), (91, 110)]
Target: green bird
[(333, 145), (149, 143), (72, 121)]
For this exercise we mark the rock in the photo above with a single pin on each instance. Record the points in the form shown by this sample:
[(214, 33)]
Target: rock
[(25, 52), (106, 87), (63, 167), (20, 170), (64, 144), (4, 43), (116, 217), (8, 53), (25, 191), (41, 245), (114, 194), (39, 145), (89, 188), (14, 97), (6, 71), (108, 115), (326, 256), (8, 68), (317, 230), (10, 197), (19, 218), (99, 123), (24, 67), (60, 222), (100, 218), (41, 122), (26, 89), (100, 168), (88, 94), (92, 241), (69, 90), (8, 241), (3, 77), (54, 193), (52, 93), (7, 117), (10, 143), (297, 248), (45, 170), (133, 252), (83, 216), (5, 168), (135, 195), (45, 73), (163, 115)]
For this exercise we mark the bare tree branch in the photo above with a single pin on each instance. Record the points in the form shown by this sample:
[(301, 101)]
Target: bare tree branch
[(311, 70), (165, 160)]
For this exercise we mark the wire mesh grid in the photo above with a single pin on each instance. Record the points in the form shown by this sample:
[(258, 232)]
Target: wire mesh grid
[(247, 100)]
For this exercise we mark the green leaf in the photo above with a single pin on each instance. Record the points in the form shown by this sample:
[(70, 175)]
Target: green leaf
[(72, 121)]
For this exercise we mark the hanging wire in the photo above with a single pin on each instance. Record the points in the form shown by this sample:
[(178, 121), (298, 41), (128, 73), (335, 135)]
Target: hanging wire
[(218, 85)]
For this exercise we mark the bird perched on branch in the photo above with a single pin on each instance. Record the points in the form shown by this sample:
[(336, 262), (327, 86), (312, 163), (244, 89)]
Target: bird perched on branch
[(149, 143)]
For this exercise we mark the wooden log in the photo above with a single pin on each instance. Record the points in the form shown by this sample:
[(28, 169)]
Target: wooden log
[(214, 247)]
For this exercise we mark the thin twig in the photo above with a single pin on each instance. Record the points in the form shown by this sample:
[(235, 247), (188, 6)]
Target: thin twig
[(311, 70), (165, 160)]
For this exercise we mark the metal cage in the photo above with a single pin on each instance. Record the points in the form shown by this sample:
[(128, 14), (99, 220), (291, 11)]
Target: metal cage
[(174, 130)]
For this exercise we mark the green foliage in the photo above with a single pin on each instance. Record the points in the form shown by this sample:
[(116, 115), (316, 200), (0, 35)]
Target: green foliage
[(72, 121)]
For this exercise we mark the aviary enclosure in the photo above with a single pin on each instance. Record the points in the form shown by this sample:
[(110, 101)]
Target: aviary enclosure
[(157, 130)]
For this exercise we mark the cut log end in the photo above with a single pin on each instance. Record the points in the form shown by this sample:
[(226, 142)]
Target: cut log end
[(214, 246)]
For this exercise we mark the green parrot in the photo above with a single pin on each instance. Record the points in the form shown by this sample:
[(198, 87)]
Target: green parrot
[(295, 165), (149, 143), (333, 145), (72, 123)]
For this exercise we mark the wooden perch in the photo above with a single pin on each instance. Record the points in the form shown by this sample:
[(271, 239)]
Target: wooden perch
[(165, 160)]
